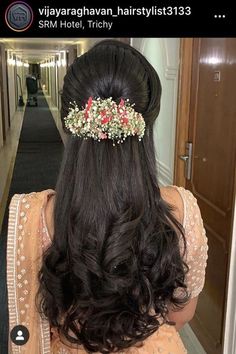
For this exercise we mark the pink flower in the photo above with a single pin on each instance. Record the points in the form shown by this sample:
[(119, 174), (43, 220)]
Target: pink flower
[(106, 120), (89, 104), (124, 120), (122, 102), (103, 113), (102, 136)]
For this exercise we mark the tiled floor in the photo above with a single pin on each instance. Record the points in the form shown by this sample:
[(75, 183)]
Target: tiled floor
[(190, 341)]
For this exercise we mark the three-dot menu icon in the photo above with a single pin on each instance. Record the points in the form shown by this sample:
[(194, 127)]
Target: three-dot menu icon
[(220, 16)]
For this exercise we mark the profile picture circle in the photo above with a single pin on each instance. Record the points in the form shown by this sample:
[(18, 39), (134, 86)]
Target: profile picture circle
[(19, 335), (19, 16)]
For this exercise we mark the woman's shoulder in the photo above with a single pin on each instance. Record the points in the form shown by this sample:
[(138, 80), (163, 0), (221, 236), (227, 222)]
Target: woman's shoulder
[(34, 195), (182, 200), (177, 193), (31, 199), (172, 196), (187, 211)]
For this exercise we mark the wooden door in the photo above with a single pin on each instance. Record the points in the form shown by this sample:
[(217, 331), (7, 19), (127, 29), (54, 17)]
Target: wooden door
[(212, 130)]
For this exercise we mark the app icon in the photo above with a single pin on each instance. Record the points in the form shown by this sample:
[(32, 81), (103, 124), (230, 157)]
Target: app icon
[(19, 16)]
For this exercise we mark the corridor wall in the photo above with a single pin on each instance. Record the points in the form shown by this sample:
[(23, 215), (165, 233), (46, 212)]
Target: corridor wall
[(11, 73), (53, 88), (22, 71), (1, 117), (3, 93)]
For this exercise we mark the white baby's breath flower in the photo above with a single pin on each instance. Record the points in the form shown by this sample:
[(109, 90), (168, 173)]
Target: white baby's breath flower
[(103, 119)]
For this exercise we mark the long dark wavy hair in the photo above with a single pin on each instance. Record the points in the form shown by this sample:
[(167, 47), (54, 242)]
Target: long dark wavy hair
[(115, 262)]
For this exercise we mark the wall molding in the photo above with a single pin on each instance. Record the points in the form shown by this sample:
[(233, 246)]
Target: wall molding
[(164, 173), (171, 72), (143, 44)]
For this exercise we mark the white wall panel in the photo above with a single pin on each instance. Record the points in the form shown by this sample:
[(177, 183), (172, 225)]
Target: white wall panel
[(163, 54), (1, 128), (12, 89)]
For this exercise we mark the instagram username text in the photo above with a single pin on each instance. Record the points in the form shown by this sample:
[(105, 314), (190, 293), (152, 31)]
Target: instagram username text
[(48, 11)]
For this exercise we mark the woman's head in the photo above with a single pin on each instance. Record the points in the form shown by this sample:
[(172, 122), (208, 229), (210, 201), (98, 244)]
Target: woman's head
[(113, 69), (115, 254)]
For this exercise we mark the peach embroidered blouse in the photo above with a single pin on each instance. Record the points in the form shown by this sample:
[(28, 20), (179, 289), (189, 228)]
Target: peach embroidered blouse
[(28, 236)]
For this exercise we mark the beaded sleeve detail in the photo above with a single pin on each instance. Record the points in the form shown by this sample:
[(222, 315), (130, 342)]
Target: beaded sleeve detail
[(196, 242), (24, 251)]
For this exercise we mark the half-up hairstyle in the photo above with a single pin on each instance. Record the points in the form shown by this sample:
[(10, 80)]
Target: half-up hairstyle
[(114, 263)]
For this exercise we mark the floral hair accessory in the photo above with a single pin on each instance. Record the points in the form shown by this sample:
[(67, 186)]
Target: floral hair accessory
[(105, 119)]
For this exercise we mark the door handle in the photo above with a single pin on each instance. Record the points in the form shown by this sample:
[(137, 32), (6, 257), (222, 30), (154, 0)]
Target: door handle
[(187, 160), (183, 157)]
